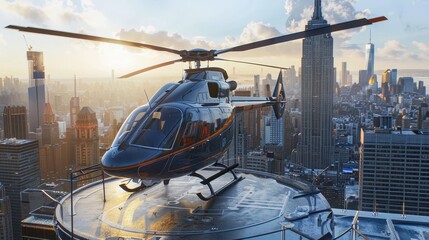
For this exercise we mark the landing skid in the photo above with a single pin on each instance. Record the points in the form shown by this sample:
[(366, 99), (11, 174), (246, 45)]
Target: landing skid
[(142, 186), (206, 181)]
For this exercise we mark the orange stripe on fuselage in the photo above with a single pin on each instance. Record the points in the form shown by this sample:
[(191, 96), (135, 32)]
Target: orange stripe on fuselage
[(227, 123)]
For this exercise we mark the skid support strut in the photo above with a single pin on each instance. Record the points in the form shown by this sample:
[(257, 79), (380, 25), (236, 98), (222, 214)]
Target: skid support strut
[(206, 181)]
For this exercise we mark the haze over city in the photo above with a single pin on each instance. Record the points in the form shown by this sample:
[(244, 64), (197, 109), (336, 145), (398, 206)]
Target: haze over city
[(332, 145), (400, 42)]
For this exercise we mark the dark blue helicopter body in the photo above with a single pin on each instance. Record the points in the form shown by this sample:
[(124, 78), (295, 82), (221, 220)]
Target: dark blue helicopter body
[(185, 127)]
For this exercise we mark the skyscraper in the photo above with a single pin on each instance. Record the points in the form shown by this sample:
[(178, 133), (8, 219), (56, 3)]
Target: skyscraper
[(385, 85), (19, 170), (423, 116), (15, 122), (50, 129), (394, 171), (36, 90), (405, 85), (363, 78), (369, 59), (5, 215), (87, 152), (74, 107), (277, 130), (52, 163), (316, 146), (343, 74)]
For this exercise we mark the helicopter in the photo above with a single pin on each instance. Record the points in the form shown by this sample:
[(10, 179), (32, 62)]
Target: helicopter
[(187, 125)]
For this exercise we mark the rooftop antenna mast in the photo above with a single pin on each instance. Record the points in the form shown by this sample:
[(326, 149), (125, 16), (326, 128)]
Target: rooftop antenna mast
[(75, 85), (369, 35)]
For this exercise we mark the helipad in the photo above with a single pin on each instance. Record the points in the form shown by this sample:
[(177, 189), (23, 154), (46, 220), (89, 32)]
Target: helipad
[(254, 208)]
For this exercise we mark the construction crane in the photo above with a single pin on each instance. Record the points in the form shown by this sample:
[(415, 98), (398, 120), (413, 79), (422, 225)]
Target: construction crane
[(29, 47)]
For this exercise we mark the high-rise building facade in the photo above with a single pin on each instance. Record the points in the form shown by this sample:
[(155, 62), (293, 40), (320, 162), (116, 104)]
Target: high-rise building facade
[(343, 74), (36, 90), (363, 78), (423, 116), (50, 128), (405, 85), (385, 85), (74, 110), (52, 160), (277, 130), (87, 145), (394, 171), (316, 146), (15, 122), (5, 215), (19, 170)]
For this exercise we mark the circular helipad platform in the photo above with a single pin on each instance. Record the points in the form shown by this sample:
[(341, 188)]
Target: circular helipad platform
[(258, 205)]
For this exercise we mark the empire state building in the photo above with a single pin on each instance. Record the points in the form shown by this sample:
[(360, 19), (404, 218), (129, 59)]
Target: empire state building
[(317, 146)]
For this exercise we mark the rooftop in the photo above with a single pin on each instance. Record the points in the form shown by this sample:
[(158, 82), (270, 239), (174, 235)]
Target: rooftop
[(383, 225), (397, 132), (14, 141), (247, 209)]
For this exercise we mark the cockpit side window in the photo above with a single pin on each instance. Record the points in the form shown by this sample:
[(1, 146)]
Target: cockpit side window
[(196, 76), (132, 120), (160, 129), (161, 92), (213, 89)]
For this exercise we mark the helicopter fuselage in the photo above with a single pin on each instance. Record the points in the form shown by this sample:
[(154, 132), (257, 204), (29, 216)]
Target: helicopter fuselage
[(184, 127)]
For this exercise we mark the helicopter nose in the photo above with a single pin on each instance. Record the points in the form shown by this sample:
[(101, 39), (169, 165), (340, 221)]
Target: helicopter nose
[(109, 159), (125, 163)]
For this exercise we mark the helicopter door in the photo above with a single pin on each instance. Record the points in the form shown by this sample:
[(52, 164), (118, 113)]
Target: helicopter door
[(195, 140), (218, 124), (206, 129)]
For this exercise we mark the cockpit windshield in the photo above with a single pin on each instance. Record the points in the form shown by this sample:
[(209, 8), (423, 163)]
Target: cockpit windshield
[(130, 123), (159, 129)]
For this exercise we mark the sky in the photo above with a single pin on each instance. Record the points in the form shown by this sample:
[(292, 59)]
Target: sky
[(402, 42)]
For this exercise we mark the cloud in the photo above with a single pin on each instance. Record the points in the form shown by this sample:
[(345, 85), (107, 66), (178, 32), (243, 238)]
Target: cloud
[(421, 46), (2, 40), (56, 12), (393, 50), (27, 11), (254, 31), (149, 35), (300, 12)]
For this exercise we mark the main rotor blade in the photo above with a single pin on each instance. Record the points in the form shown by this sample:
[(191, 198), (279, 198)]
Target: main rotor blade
[(92, 38), (251, 63), (151, 68), (303, 34)]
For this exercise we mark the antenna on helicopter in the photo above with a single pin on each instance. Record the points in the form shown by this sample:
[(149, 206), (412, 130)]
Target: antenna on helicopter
[(148, 101)]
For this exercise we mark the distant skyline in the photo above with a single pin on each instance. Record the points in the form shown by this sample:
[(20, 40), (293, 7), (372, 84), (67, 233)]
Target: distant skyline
[(401, 42)]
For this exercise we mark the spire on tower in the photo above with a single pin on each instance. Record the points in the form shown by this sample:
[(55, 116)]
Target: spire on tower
[(369, 35), (317, 14), (75, 85)]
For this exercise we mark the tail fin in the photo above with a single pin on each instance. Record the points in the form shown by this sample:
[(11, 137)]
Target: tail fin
[(279, 96)]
